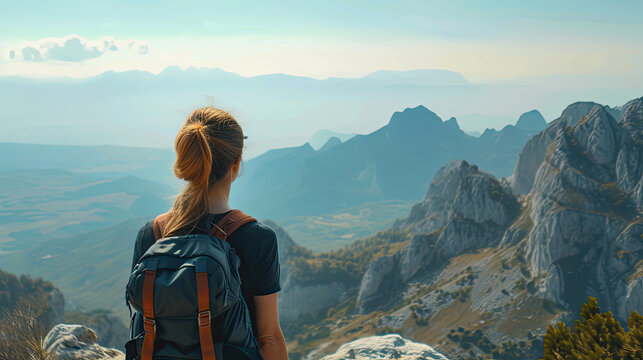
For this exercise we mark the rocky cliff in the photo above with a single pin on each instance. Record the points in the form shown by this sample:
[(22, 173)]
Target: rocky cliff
[(586, 206), (464, 209), (301, 297), (535, 149)]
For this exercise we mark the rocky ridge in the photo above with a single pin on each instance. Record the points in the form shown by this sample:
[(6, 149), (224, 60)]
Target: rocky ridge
[(533, 153), (464, 209)]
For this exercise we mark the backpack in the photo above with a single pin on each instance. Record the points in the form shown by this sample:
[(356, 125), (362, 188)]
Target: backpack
[(188, 290)]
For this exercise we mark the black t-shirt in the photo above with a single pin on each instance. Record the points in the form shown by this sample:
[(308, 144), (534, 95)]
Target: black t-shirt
[(256, 245)]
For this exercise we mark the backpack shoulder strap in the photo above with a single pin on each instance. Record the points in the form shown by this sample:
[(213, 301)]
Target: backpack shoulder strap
[(229, 223), (159, 225)]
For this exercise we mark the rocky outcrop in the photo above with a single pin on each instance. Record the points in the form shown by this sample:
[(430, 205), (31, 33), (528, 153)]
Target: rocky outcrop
[(296, 298), (108, 326), (586, 209), (533, 153), (390, 346), (464, 209), (460, 190), (78, 342)]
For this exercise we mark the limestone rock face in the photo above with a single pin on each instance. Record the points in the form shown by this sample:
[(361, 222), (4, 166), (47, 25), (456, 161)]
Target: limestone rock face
[(297, 299), (586, 209), (464, 209), (78, 342), (380, 274), (461, 190), (301, 298), (535, 149), (390, 346)]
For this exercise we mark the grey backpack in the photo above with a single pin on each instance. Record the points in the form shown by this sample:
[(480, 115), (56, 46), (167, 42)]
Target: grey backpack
[(186, 291)]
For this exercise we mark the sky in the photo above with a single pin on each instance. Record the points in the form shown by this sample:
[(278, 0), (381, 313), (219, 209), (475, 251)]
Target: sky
[(515, 56), (484, 40)]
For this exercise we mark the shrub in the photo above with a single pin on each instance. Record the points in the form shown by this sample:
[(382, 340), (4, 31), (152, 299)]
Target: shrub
[(595, 336)]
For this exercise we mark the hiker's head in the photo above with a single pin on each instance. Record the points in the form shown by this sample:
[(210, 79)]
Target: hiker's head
[(208, 147), (208, 152)]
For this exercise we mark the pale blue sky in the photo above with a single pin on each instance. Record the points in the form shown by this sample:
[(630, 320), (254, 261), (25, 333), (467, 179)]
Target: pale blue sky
[(482, 39), (365, 19)]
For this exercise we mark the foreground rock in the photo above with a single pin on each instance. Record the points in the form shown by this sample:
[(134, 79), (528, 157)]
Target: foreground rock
[(390, 346), (76, 342)]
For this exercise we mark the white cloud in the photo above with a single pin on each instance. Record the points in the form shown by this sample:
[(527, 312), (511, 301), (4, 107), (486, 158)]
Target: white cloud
[(74, 48)]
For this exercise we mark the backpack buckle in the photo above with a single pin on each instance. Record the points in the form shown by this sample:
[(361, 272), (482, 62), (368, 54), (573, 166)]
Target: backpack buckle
[(149, 325), (204, 318)]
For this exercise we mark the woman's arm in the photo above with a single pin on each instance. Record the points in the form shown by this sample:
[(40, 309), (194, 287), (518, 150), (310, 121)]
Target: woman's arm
[(272, 344)]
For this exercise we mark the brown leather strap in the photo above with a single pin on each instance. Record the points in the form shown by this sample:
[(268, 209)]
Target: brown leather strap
[(229, 223), (205, 328), (222, 229), (148, 313), (159, 225)]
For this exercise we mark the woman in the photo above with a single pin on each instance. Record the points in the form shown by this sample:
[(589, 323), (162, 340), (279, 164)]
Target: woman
[(208, 155)]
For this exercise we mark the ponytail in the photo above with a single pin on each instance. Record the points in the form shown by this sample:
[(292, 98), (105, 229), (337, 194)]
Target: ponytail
[(201, 163)]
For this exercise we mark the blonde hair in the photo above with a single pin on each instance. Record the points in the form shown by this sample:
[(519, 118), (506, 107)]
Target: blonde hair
[(208, 144)]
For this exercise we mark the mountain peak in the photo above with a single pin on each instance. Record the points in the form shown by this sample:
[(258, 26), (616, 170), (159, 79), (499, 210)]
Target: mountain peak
[(452, 122), (331, 143), (531, 120), (574, 112), (416, 115)]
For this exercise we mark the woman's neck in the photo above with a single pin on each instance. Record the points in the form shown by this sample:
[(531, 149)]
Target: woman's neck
[(218, 197)]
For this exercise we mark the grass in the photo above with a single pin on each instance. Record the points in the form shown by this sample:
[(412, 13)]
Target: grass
[(22, 334)]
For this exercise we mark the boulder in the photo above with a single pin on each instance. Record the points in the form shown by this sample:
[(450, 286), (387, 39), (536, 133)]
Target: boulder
[(78, 342), (391, 346)]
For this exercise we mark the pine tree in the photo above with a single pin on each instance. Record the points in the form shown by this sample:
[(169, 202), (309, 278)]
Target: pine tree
[(633, 347), (596, 336)]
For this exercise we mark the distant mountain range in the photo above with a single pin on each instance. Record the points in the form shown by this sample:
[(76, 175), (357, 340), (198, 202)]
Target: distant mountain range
[(348, 170), (391, 163), (137, 108)]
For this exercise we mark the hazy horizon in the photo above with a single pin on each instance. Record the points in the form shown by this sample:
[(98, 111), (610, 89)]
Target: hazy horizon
[(508, 60)]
